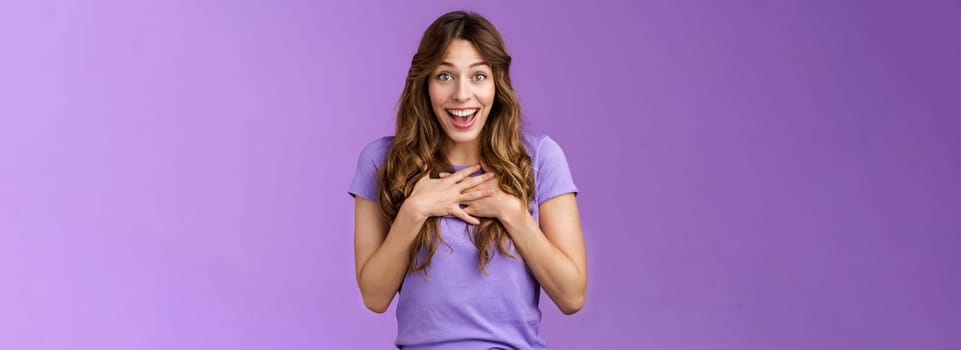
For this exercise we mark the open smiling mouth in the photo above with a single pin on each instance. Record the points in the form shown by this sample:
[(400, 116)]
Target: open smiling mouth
[(462, 118)]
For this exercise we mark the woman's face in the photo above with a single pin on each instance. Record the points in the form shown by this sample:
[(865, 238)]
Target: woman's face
[(461, 91)]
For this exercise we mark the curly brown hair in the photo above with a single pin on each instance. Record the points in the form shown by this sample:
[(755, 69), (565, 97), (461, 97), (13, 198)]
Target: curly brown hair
[(416, 148)]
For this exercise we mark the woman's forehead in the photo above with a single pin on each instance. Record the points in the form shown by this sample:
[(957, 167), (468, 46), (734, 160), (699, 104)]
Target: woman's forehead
[(462, 52)]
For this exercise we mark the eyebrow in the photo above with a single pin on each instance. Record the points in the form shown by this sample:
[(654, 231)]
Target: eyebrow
[(481, 63)]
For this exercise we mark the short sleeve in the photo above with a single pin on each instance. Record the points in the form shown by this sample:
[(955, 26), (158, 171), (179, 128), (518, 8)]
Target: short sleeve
[(365, 179), (551, 172)]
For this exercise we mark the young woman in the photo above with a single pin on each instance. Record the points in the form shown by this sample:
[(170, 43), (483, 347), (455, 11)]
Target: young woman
[(461, 213)]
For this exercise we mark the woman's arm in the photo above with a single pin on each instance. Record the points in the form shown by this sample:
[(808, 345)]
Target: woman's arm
[(554, 251), (382, 257)]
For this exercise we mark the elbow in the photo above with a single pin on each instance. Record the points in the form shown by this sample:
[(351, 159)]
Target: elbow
[(375, 306), (373, 303), (376, 302), (572, 306), (377, 309), (574, 300)]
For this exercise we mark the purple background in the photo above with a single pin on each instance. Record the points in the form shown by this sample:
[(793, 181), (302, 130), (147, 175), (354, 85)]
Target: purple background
[(753, 174)]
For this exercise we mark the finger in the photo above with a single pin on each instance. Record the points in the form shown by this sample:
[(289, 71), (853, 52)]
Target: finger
[(472, 211), (461, 214), (464, 173), (475, 195), (443, 175), (474, 181)]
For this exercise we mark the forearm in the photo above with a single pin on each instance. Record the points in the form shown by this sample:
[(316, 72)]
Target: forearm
[(561, 278), (383, 273)]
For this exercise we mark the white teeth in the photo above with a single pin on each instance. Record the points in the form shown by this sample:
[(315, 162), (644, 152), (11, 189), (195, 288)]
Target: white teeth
[(463, 112)]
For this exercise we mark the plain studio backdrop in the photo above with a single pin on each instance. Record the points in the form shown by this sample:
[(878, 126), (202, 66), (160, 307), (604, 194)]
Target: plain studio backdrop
[(753, 174)]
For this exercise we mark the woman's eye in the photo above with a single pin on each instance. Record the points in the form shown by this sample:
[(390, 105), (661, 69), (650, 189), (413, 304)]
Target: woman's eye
[(444, 77), (480, 77)]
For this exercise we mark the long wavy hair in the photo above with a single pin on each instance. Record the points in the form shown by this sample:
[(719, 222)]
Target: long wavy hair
[(416, 149)]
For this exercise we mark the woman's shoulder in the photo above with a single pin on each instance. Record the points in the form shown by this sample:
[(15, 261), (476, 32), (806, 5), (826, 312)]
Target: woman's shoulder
[(531, 140), (380, 142), (539, 144), (376, 150)]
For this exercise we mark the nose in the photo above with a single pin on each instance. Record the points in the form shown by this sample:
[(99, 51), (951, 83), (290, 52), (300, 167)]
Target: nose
[(463, 92)]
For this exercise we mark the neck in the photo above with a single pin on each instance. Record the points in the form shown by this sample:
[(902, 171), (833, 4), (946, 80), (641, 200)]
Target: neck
[(462, 153)]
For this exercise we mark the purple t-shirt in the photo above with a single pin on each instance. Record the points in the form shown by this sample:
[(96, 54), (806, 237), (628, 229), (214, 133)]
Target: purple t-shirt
[(457, 306)]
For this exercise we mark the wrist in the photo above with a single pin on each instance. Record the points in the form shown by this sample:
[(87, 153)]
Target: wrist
[(411, 210), (515, 214)]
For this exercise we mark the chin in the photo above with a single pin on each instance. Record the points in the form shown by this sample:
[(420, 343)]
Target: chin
[(462, 137)]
